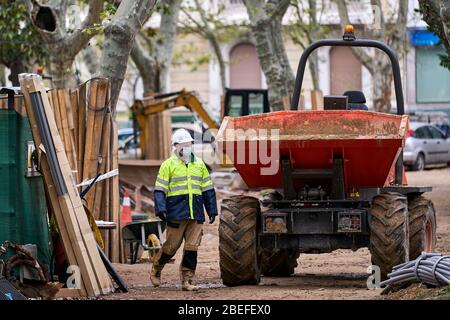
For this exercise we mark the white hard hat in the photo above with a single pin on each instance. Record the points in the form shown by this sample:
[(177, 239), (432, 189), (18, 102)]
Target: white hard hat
[(181, 136)]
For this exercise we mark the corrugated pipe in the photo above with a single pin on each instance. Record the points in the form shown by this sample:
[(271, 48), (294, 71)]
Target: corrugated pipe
[(429, 268)]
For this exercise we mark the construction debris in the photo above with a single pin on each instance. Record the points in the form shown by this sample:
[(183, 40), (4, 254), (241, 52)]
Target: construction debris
[(76, 234), (40, 287)]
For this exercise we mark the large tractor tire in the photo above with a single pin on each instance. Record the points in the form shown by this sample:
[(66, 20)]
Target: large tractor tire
[(389, 231), (279, 262), (238, 252), (422, 226)]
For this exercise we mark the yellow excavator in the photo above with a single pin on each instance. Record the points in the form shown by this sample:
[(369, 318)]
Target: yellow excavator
[(151, 105), (158, 103)]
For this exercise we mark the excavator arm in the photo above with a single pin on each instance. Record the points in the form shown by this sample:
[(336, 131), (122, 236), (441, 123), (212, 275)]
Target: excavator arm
[(155, 104), (151, 105)]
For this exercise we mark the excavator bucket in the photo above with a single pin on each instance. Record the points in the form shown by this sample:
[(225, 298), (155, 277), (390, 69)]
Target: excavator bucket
[(369, 144)]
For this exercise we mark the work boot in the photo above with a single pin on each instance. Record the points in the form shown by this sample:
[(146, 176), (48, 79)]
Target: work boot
[(155, 276), (186, 281)]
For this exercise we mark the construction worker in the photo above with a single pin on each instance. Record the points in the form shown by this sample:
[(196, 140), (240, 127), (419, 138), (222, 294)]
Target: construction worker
[(182, 188)]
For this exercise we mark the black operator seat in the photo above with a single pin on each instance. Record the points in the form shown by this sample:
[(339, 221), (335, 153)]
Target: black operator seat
[(356, 100)]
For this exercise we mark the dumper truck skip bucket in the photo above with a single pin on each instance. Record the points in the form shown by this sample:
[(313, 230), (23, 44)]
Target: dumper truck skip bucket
[(335, 180), (369, 144)]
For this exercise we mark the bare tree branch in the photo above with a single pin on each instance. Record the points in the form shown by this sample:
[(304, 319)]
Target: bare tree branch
[(80, 38), (277, 8), (147, 66)]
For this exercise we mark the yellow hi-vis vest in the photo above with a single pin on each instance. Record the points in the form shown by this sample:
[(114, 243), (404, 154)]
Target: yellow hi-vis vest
[(179, 181)]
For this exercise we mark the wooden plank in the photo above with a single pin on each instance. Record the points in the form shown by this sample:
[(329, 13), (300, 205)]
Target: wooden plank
[(100, 206), (116, 234), (91, 267), (316, 100), (287, 103), (96, 111), (167, 134), (101, 137), (81, 129), (301, 103), (157, 135), (74, 110), (55, 105), (18, 104), (71, 132), (64, 100), (74, 107), (73, 202), (67, 102), (89, 164), (67, 242)]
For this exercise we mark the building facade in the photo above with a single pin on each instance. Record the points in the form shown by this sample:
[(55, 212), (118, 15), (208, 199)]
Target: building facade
[(426, 83)]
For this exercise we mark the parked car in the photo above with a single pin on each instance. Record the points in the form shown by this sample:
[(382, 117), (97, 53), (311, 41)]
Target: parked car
[(128, 144), (425, 144), (437, 118)]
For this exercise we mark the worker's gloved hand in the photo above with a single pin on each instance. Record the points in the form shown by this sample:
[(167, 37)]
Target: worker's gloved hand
[(163, 215), (212, 219)]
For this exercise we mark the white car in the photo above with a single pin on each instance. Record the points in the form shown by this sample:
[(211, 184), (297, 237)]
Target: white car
[(425, 144)]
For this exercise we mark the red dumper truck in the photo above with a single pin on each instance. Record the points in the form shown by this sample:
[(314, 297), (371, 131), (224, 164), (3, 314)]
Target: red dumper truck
[(339, 183)]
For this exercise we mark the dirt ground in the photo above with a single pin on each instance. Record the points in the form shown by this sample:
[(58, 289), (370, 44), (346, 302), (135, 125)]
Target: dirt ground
[(338, 275)]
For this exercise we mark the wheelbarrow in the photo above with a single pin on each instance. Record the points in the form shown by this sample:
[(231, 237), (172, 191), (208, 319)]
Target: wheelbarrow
[(144, 232)]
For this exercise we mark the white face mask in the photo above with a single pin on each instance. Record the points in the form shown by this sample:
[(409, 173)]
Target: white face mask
[(187, 153)]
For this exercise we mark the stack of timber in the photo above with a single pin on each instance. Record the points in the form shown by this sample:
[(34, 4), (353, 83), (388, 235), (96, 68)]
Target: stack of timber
[(17, 103), (65, 203), (157, 135), (96, 148), (89, 134)]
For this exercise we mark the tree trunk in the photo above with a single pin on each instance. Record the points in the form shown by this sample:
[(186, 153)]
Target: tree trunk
[(91, 59), (214, 43), (63, 45), (16, 68), (377, 64), (2, 75), (61, 66), (314, 28), (313, 62), (147, 66), (168, 32), (220, 60), (266, 27), (119, 38), (382, 91), (154, 69)]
